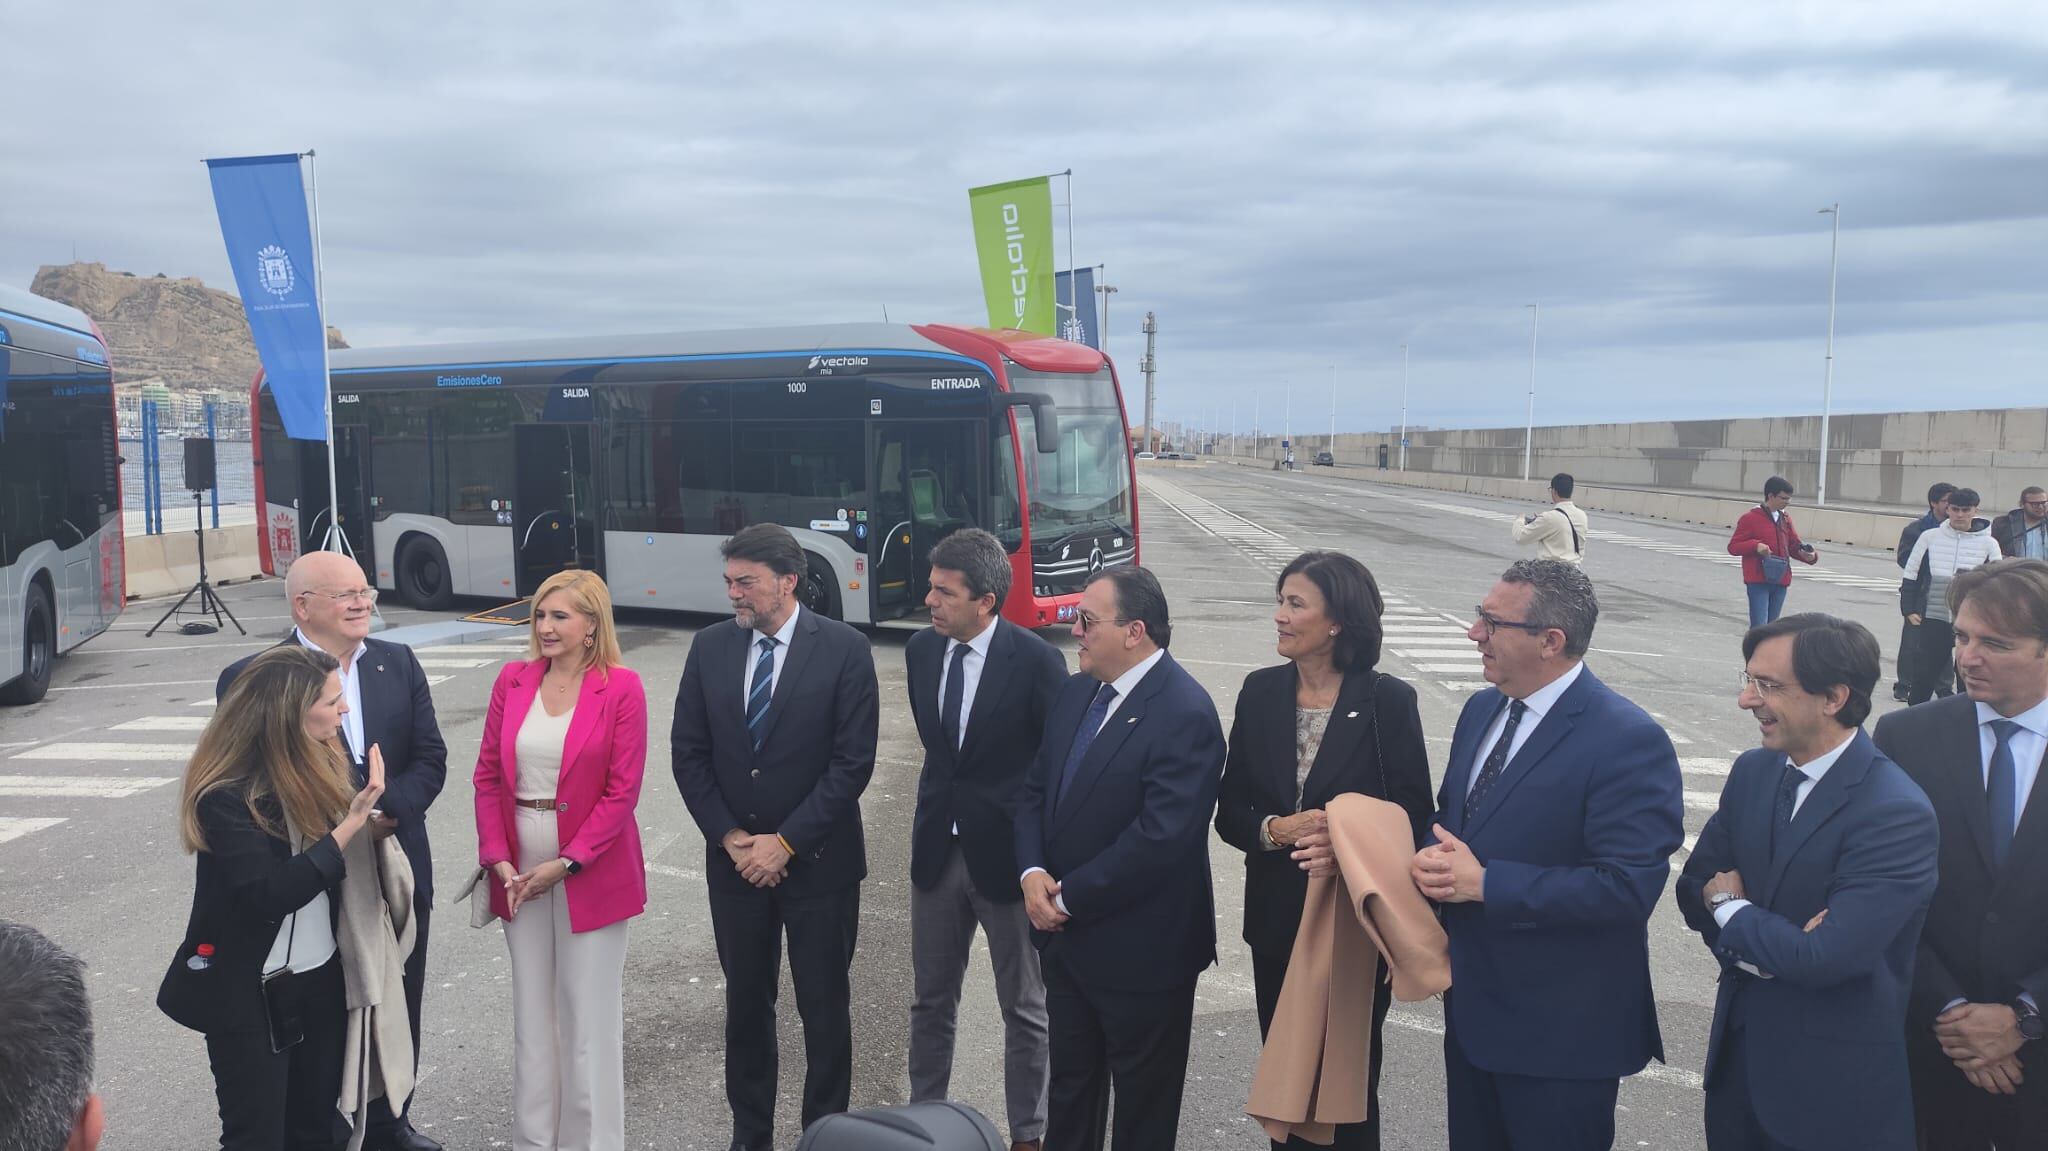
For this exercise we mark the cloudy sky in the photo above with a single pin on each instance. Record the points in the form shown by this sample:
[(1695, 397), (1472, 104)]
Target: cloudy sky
[(1295, 190)]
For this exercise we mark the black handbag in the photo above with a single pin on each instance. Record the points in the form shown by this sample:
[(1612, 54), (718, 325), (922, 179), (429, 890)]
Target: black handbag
[(284, 995)]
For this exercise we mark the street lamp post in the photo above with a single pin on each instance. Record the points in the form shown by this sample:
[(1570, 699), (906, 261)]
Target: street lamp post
[(1404, 407), (1827, 387), (1529, 431), (1107, 291)]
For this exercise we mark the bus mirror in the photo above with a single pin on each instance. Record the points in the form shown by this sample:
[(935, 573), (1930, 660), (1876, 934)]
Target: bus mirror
[(1043, 418)]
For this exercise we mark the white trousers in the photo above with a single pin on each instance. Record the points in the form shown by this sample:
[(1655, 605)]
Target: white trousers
[(568, 1018)]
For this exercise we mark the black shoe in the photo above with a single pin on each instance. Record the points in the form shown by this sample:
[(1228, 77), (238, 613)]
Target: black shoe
[(399, 1138), (1901, 692)]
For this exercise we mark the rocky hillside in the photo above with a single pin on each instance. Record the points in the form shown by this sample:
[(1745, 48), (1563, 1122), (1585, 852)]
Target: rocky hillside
[(190, 335)]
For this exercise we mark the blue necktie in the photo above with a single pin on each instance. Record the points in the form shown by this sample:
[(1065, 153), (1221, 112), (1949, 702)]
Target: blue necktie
[(1496, 760), (956, 693), (1090, 724), (759, 691), (2002, 789)]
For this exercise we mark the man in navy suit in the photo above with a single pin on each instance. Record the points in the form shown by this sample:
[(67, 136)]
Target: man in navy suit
[(1113, 840), (1810, 884), (980, 690), (390, 708), (1560, 808)]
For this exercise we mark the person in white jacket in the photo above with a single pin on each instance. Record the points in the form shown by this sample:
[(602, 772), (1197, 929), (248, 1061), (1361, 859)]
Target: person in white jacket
[(1558, 531), (1963, 541)]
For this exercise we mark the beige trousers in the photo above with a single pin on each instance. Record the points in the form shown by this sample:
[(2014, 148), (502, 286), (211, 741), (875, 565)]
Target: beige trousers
[(568, 1019)]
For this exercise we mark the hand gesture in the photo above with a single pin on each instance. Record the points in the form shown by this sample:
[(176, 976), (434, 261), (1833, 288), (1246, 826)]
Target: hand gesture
[(535, 883), (1448, 872), (1040, 891), (508, 877), (1288, 829), (1313, 853), (763, 861), (373, 788)]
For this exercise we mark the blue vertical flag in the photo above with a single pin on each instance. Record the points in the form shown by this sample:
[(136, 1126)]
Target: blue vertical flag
[(1078, 325), (262, 203)]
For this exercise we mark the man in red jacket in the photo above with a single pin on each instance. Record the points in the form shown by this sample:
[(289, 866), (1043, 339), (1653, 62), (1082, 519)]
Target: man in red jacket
[(1767, 544)]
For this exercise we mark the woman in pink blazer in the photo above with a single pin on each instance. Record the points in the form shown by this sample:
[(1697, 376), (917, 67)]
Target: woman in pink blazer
[(557, 779)]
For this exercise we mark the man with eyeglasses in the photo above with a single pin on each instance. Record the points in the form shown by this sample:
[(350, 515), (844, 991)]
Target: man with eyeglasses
[(390, 708), (1809, 885), (2023, 531), (1559, 811), (1113, 842), (1974, 1027)]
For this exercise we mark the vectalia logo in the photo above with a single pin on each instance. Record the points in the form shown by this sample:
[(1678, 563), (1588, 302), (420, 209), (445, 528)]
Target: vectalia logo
[(837, 362)]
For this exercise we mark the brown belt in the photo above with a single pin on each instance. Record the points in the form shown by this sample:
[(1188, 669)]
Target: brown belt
[(536, 804)]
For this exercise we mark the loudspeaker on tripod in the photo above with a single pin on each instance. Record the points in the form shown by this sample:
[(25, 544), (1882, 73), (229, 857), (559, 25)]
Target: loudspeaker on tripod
[(198, 464)]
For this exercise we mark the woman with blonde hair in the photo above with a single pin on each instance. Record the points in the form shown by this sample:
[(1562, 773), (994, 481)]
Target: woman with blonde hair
[(557, 780), (267, 807)]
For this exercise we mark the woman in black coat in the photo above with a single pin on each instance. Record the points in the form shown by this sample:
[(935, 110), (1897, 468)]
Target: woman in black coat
[(267, 807), (1320, 725)]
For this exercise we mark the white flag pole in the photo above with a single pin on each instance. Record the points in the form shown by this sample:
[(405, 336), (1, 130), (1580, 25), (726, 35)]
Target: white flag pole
[(335, 541)]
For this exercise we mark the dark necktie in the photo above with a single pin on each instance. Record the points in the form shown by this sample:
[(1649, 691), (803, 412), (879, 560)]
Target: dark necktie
[(761, 689), (1090, 724), (956, 694), (2002, 789), (1496, 760), (1788, 797)]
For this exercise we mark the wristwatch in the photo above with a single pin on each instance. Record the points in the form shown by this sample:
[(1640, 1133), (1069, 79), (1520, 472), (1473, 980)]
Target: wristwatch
[(2028, 1018), (573, 866), (1720, 897)]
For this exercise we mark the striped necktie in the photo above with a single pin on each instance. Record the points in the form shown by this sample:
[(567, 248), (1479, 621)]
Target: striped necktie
[(761, 689)]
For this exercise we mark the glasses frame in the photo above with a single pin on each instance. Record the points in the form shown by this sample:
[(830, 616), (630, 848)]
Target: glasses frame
[(367, 595), (1764, 688), (1495, 623), (1088, 622)]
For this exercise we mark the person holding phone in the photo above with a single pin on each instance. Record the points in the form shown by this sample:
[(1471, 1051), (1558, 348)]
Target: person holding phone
[(1766, 541), (268, 810)]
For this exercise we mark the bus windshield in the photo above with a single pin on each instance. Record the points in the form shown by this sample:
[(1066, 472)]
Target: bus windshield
[(1087, 482)]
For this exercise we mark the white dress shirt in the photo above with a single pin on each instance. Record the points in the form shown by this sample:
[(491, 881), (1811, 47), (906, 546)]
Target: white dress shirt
[(352, 691), (1538, 704), (782, 638), (970, 674), (1124, 684), (1812, 771), (2027, 745)]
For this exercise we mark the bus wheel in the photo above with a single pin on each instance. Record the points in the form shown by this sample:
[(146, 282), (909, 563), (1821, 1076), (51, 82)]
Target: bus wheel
[(423, 577), (819, 589), (38, 649)]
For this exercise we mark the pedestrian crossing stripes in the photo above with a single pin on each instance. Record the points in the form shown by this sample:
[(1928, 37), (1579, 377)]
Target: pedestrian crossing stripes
[(164, 723), (14, 827), (126, 752), (78, 786)]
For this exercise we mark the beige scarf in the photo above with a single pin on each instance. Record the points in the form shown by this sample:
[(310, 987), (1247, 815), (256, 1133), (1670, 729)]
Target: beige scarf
[(375, 934)]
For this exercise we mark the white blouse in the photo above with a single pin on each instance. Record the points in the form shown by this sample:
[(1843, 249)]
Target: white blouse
[(538, 748)]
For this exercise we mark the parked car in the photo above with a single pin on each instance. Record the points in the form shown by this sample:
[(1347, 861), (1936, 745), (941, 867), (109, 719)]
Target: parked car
[(1148, 455), (1324, 459)]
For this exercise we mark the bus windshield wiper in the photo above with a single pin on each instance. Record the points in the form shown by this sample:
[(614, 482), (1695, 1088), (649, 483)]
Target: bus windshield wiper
[(1091, 527)]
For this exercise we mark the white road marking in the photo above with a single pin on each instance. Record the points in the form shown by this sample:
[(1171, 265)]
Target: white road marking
[(14, 828), (1441, 639), (78, 786), (438, 680), (1461, 685), (442, 663), (132, 686), (1703, 800), (208, 702), (1451, 668), (112, 751), (1696, 766), (164, 723), (673, 872)]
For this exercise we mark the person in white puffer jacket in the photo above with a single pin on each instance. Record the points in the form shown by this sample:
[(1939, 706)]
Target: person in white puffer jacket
[(1963, 541)]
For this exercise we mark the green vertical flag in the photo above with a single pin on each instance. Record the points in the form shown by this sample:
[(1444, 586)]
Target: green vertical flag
[(1013, 235)]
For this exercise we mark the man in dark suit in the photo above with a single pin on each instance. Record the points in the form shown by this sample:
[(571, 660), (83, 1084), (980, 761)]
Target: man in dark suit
[(389, 708), (1974, 1025), (773, 743), (1560, 808), (1113, 839), (1810, 884), (980, 689)]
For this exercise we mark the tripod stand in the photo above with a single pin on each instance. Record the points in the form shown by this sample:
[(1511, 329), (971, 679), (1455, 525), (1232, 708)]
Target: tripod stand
[(209, 603)]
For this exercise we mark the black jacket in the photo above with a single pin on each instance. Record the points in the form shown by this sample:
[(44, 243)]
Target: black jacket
[(248, 881), (1367, 722), (1910, 534), (1986, 937), (2008, 530), (976, 787), (817, 750), (398, 719)]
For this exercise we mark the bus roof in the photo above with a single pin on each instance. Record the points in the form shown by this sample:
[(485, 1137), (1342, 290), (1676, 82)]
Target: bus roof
[(30, 306), (1033, 351)]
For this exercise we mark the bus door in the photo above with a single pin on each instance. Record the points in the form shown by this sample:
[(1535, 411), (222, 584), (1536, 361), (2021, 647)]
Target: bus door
[(926, 485), (351, 483), (554, 524)]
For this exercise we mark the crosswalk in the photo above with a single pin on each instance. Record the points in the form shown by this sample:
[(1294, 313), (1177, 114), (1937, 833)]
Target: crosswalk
[(154, 747)]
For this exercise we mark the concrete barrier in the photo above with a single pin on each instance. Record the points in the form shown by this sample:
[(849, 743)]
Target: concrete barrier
[(169, 563), (1816, 525)]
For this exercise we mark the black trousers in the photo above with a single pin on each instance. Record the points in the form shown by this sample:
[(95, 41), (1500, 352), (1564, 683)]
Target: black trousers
[(1953, 1115), (1934, 661), (1731, 1114), (1134, 1042), (749, 924), (1491, 1111), (271, 1100), (1909, 642), (1269, 973), (381, 1120)]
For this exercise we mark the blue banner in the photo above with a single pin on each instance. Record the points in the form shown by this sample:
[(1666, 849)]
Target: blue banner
[(1079, 324), (262, 203)]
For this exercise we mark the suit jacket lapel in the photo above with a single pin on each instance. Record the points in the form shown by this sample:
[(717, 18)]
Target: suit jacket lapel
[(1966, 776), (518, 701), (1464, 750), (589, 713), (1757, 810), (378, 686), (1115, 730), (920, 669), (794, 665), (1276, 740), (1551, 728), (1827, 797), (1351, 717), (988, 692)]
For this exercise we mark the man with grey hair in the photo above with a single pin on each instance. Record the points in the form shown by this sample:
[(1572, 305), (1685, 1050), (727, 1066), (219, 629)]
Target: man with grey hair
[(46, 1097), (1547, 887), (980, 690)]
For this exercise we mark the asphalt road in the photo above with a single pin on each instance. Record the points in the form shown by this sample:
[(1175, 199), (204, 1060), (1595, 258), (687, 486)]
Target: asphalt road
[(89, 853)]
